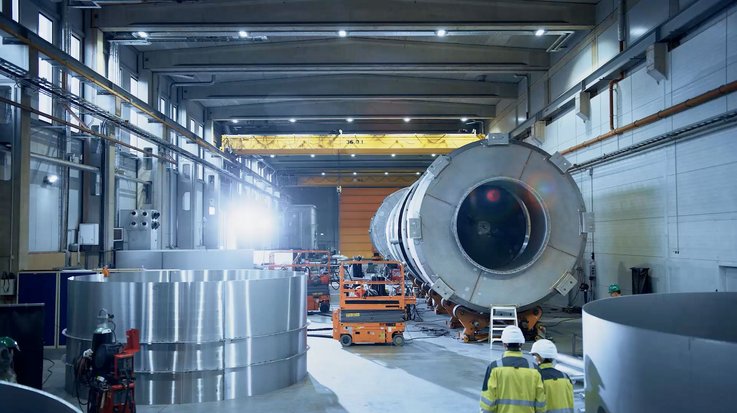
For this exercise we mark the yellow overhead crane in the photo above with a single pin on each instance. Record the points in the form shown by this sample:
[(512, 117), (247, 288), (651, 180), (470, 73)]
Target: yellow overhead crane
[(344, 144)]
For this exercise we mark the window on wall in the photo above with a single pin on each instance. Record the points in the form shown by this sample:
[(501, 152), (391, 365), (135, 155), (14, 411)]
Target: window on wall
[(195, 127), (175, 113), (134, 91), (75, 86), (163, 106), (15, 9), (45, 70)]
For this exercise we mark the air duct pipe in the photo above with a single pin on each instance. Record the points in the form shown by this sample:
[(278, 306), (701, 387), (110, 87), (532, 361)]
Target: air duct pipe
[(494, 222)]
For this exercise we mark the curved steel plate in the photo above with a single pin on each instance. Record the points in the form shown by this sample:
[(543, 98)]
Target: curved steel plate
[(196, 326), (665, 352)]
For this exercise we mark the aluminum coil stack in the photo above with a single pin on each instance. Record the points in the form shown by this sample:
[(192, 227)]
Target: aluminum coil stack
[(493, 222), (205, 335)]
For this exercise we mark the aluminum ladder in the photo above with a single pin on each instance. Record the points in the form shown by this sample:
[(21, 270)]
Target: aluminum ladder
[(501, 316)]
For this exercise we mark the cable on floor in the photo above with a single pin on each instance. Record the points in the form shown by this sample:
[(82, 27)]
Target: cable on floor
[(48, 370)]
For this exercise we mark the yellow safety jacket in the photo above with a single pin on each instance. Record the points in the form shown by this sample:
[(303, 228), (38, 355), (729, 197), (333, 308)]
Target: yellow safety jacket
[(558, 390), (512, 385)]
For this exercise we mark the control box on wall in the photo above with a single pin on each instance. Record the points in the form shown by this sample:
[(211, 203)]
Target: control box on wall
[(141, 228)]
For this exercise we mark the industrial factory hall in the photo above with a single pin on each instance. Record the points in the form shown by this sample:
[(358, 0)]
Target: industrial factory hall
[(359, 206)]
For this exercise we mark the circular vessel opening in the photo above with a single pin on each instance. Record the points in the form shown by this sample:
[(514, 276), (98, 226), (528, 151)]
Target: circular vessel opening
[(501, 226)]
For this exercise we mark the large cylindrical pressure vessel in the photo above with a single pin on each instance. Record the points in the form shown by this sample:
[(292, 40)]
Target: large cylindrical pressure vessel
[(493, 222)]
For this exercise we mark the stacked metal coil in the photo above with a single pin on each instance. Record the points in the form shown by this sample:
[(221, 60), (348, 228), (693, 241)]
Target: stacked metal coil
[(493, 222), (205, 335)]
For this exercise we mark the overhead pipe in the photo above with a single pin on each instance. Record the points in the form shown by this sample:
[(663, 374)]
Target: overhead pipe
[(667, 112), (82, 128), (62, 162), (32, 40)]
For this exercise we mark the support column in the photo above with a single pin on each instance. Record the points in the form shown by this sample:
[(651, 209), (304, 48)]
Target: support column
[(21, 166)]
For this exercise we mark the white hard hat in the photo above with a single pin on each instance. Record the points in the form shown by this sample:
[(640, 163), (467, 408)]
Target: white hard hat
[(512, 335), (545, 349)]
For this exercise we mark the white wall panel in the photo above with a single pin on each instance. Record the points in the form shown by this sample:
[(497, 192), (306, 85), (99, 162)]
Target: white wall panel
[(607, 45), (644, 16), (672, 209), (572, 72)]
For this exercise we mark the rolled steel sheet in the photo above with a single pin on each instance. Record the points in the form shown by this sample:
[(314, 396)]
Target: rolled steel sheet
[(488, 224), (661, 353), (205, 335), (17, 398)]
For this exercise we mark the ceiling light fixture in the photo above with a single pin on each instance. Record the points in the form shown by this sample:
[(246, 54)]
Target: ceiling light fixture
[(353, 155), (141, 35), (50, 179), (407, 120), (417, 173), (234, 120), (441, 33), (292, 120), (242, 34), (464, 119), (349, 120), (272, 156), (386, 173), (393, 155), (433, 155), (539, 32), (312, 155), (355, 173), (342, 33), (322, 173)]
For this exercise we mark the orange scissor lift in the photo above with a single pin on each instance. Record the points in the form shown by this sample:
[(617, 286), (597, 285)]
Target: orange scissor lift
[(363, 318)]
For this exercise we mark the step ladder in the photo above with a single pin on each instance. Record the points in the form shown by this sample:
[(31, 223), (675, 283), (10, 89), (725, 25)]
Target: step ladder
[(501, 316)]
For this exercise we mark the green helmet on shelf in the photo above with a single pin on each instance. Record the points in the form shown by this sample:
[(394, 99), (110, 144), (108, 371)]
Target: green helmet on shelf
[(614, 288)]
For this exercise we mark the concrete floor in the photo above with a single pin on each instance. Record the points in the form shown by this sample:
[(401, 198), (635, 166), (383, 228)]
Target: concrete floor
[(427, 374)]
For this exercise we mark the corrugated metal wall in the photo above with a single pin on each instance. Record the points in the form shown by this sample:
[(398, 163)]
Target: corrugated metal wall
[(357, 206)]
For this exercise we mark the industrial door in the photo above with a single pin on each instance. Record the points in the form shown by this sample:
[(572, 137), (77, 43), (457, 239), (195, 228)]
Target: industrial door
[(357, 206)]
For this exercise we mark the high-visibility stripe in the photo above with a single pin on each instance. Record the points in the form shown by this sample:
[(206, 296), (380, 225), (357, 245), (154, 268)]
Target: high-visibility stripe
[(487, 401), (564, 410), (513, 402)]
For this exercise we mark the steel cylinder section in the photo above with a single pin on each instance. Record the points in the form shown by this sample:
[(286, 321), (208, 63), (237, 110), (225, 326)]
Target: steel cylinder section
[(205, 335), (661, 353), (380, 220), (490, 223), (17, 398)]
